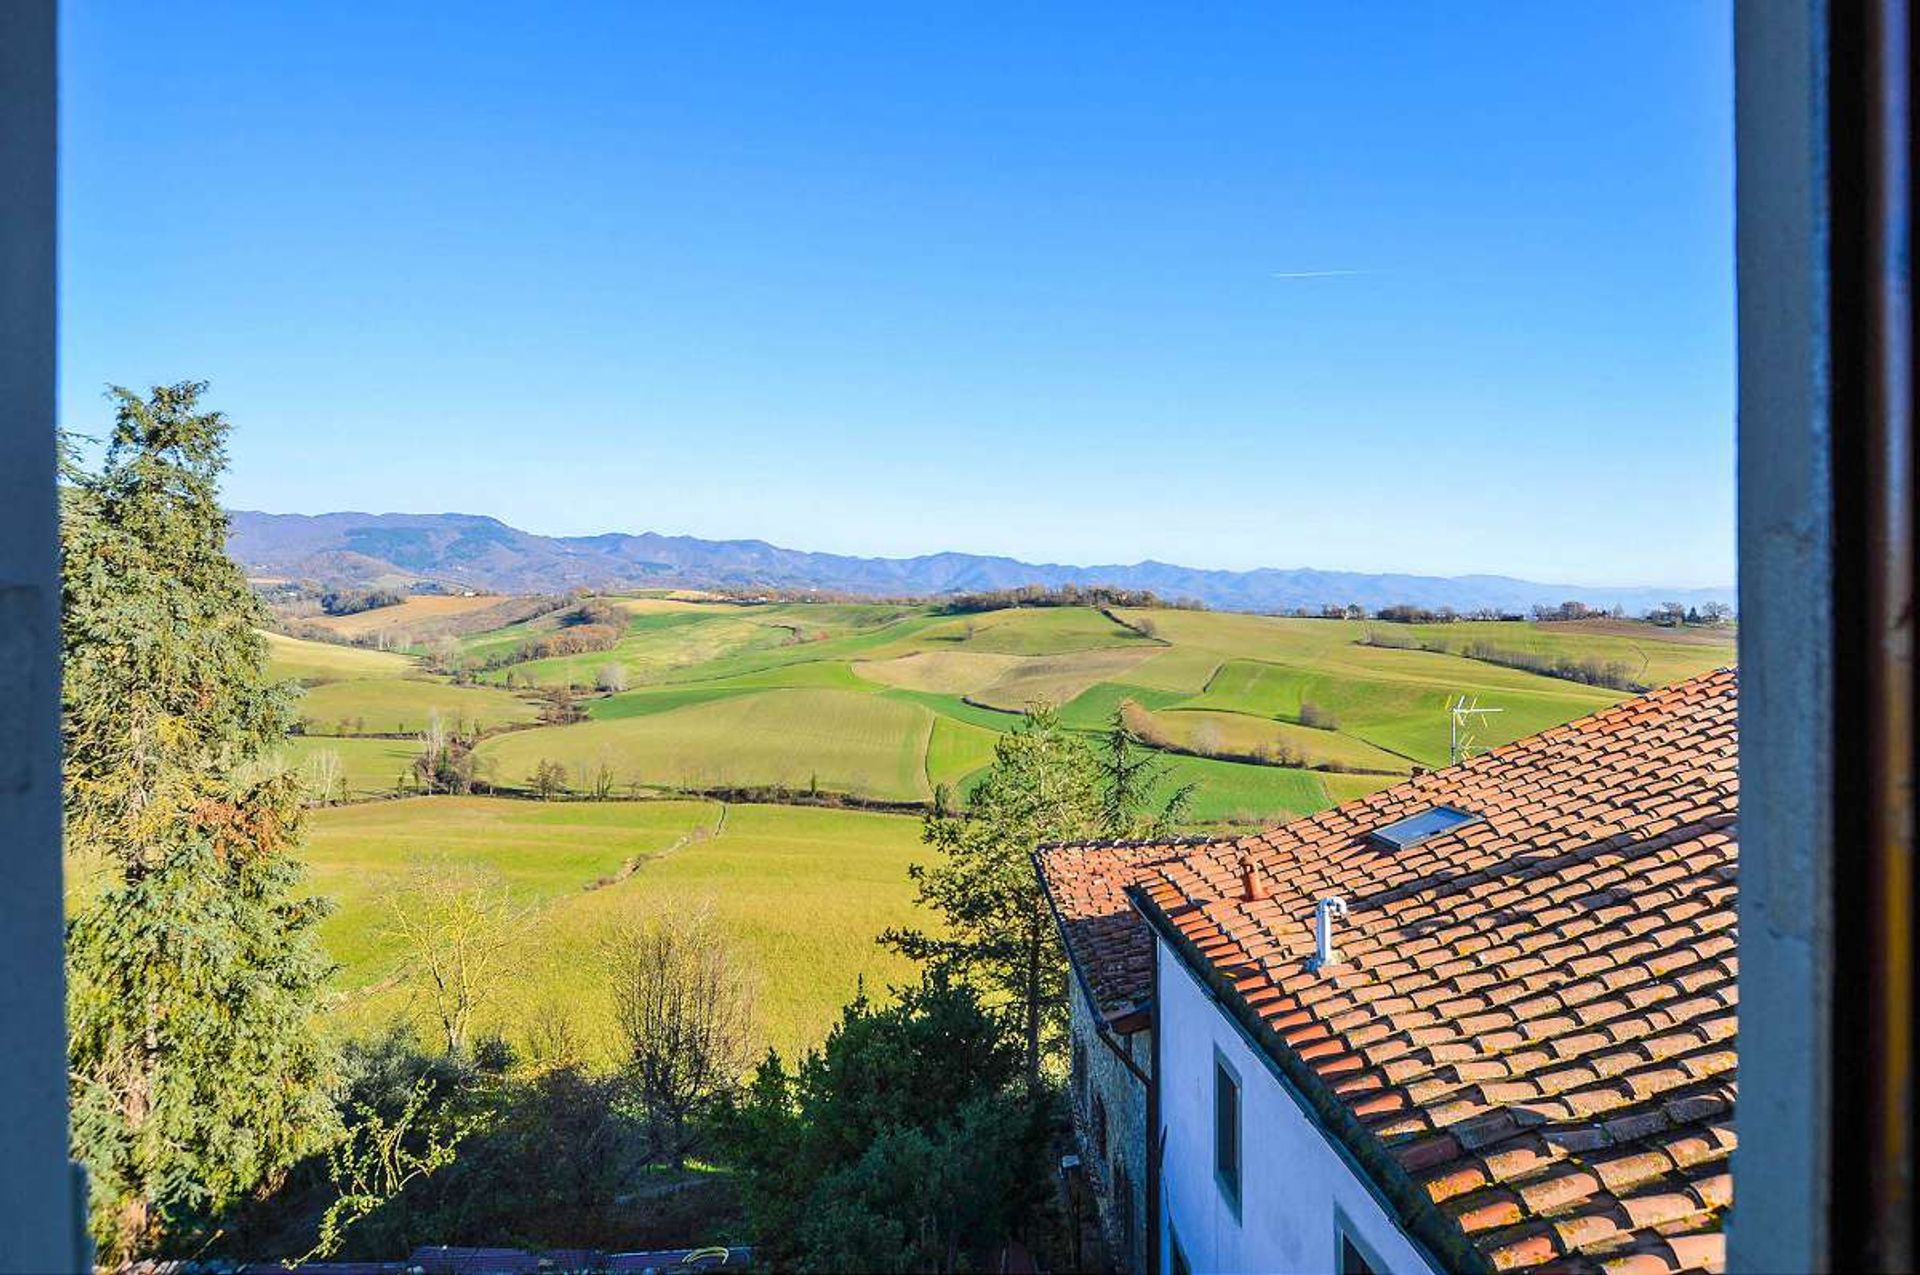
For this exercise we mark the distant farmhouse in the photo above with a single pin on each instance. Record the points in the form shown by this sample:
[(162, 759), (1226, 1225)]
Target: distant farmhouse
[(1481, 1020)]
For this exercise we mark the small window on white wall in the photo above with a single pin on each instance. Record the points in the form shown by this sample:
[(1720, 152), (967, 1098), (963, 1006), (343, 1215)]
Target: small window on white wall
[(1352, 1260), (1226, 1130)]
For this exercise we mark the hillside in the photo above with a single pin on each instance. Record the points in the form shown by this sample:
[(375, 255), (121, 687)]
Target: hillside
[(1269, 716), (828, 703), (483, 553)]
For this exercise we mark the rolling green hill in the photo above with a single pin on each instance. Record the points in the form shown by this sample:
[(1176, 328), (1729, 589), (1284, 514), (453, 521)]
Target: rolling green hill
[(884, 702), (1268, 718)]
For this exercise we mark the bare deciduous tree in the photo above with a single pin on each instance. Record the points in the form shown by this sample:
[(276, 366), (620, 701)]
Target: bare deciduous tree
[(444, 651), (611, 678), (454, 923), (433, 740), (604, 776), (551, 1039), (549, 779), (323, 776), (685, 1014)]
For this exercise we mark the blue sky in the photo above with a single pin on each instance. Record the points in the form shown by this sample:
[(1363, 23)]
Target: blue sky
[(892, 279)]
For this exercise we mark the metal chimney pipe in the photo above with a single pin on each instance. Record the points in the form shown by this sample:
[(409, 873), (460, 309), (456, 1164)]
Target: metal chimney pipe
[(1324, 912)]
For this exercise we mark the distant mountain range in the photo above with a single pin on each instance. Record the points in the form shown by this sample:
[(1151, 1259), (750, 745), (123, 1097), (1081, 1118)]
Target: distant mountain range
[(477, 552)]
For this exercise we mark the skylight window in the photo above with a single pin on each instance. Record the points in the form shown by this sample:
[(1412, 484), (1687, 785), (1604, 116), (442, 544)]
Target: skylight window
[(1414, 829)]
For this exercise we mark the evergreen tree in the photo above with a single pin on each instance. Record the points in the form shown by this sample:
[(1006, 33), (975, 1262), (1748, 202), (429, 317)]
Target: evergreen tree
[(193, 970), (1044, 785), (1130, 778)]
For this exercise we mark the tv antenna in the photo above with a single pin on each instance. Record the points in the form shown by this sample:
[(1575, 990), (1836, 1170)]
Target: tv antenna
[(1463, 713)]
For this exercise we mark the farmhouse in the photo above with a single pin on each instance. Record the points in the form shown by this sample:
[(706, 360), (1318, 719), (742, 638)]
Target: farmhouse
[(1481, 1020)]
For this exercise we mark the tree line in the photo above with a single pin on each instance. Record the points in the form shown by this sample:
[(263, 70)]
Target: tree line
[(1667, 614), (1060, 595), (1620, 675)]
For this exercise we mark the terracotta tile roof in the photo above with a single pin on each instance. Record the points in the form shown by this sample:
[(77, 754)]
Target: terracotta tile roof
[(1529, 1034), (1109, 946)]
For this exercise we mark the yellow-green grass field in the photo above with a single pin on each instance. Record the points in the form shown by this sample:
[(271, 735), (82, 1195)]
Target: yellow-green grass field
[(1243, 735), (1651, 656), (1021, 631), (368, 767), (947, 672), (851, 742), (696, 713), (296, 659), (393, 705), (1227, 792), (957, 751), (686, 639), (1055, 679), (658, 645), (801, 892)]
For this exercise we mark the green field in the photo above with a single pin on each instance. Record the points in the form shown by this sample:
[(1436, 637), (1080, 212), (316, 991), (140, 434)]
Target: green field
[(879, 702), (1025, 631), (402, 705), (802, 892), (885, 702), (368, 767), (1244, 735), (841, 741), (295, 659)]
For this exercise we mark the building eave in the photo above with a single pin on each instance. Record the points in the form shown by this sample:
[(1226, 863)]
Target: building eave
[(1438, 1239)]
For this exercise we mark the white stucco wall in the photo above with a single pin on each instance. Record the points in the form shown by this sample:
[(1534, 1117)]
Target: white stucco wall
[(1297, 1189)]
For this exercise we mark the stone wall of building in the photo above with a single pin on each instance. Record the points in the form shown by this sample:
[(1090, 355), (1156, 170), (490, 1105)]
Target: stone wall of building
[(1110, 1121)]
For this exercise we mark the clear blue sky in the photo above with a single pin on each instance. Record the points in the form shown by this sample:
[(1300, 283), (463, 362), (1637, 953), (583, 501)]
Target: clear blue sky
[(897, 278)]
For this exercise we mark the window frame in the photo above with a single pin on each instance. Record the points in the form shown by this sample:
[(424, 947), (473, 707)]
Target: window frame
[(1347, 1240), (1232, 1184)]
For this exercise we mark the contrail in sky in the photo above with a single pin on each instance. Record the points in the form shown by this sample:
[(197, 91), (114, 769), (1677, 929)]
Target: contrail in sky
[(1317, 274)]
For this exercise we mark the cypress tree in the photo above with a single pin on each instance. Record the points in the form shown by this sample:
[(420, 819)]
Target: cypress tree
[(197, 1073)]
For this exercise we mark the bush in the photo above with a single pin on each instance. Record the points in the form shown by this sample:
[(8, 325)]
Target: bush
[(578, 639), (558, 708), (546, 1154), (1374, 635), (1311, 714), (908, 1136), (597, 612)]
